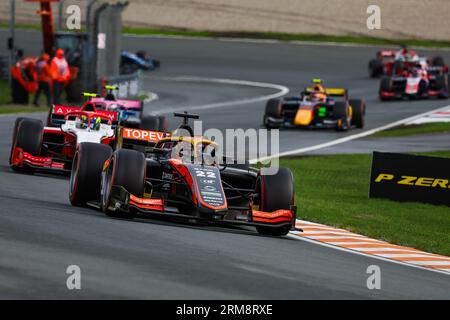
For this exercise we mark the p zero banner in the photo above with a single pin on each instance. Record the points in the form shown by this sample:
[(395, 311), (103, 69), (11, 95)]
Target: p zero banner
[(405, 177)]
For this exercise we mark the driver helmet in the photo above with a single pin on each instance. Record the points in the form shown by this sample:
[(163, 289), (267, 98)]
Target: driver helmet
[(95, 123), (318, 96), (415, 71), (82, 122)]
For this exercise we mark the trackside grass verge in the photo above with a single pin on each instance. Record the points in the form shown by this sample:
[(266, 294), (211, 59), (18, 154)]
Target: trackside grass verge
[(11, 109), (7, 107), (333, 190), (364, 40), (403, 131), (288, 37)]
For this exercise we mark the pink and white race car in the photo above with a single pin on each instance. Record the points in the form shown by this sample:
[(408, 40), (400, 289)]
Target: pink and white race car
[(417, 80)]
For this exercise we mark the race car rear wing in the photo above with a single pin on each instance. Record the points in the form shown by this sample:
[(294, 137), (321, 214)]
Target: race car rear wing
[(58, 114), (137, 137), (386, 54), (333, 92)]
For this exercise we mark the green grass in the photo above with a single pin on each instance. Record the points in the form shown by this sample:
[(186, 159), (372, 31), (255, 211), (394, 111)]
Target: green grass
[(288, 37), (21, 109), (438, 127), (7, 107), (333, 190), (269, 36), (5, 92)]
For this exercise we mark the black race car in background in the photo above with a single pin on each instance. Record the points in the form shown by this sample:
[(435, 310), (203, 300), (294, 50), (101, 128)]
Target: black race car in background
[(316, 107)]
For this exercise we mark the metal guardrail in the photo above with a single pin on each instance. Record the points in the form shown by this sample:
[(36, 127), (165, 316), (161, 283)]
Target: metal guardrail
[(129, 85)]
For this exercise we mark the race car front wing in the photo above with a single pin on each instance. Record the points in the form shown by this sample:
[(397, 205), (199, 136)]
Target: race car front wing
[(122, 200)]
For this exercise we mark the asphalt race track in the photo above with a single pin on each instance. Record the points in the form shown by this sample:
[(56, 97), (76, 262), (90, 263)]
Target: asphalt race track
[(41, 234)]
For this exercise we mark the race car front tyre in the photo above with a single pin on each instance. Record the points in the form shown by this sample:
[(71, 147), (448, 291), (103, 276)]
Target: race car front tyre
[(28, 136), (86, 172), (276, 193), (375, 68), (385, 86), (13, 140), (342, 116), (358, 112), (273, 110), (126, 169)]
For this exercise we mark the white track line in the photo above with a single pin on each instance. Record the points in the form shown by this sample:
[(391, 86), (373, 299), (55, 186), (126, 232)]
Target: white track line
[(282, 90), (347, 138)]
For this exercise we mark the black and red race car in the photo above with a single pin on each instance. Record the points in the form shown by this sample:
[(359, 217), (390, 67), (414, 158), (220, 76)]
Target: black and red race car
[(395, 62), (162, 183), (51, 148)]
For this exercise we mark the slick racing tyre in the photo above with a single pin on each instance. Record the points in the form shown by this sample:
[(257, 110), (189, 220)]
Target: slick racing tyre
[(358, 112), (28, 136), (438, 61), (442, 84), (342, 116), (385, 86), (150, 123), (13, 140), (375, 68), (126, 169), (273, 110), (276, 193), (397, 68), (163, 125), (86, 172)]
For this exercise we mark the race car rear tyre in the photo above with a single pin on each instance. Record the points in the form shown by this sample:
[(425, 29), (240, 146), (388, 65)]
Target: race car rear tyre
[(150, 123), (358, 112), (86, 172), (442, 84), (438, 61), (397, 67), (273, 110), (276, 193), (375, 68), (126, 169), (163, 123), (342, 115)]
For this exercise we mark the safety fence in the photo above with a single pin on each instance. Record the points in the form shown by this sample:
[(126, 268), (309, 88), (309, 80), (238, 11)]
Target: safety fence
[(129, 85)]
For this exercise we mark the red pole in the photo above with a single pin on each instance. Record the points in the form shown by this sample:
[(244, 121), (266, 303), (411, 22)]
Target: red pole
[(48, 31)]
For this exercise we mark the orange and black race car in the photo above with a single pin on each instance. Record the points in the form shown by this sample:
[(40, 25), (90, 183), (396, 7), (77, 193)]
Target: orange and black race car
[(162, 175), (316, 107)]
